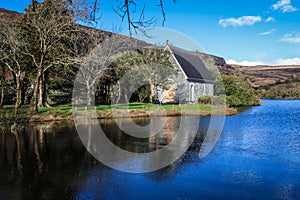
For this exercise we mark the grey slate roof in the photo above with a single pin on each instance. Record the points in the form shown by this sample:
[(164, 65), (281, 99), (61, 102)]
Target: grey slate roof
[(192, 65)]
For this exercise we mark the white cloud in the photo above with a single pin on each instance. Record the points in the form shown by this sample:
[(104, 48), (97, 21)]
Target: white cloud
[(270, 19), (241, 21), (268, 32), (293, 37), (245, 62), (288, 61), (284, 6), (281, 61)]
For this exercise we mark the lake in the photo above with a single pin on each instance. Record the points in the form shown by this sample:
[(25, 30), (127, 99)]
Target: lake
[(256, 157)]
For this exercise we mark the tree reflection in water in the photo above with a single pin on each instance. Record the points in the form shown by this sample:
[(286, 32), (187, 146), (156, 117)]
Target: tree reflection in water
[(42, 162), (50, 162), (257, 157)]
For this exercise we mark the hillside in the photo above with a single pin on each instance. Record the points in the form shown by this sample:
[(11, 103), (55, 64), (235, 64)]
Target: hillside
[(268, 81), (261, 76), (258, 76), (8, 14), (272, 81)]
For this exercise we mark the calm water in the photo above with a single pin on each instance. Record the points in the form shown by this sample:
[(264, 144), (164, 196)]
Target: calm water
[(256, 157)]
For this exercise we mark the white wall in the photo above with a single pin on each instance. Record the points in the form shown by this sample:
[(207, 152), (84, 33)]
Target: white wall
[(190, 92)]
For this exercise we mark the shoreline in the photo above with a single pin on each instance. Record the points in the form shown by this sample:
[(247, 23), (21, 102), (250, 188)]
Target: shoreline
[(66, 114), (107, 114)]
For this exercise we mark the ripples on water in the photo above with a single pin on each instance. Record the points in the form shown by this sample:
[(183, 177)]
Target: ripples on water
[(256, 157)]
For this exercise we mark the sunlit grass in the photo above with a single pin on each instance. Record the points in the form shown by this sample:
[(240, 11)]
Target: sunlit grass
[(65, 110)]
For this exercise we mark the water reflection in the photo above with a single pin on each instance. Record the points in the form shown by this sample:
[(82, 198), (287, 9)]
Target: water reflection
[(257, 157), (49, 161), (119, 150), (42, 162)]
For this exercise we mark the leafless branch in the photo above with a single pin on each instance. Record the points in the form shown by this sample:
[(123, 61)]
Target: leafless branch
[(126, 11), (161, 5)]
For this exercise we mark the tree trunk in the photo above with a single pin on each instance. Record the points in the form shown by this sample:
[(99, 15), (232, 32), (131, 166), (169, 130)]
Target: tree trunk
[(126, 99), (41, 91), (90, 94), (2, 94), (2, 87), (45, 100), (122, 97), (23, 92), (88, 98), (2, 91), (19, 94), (120, 92), (36, 91), (35, 97), (152, 91)]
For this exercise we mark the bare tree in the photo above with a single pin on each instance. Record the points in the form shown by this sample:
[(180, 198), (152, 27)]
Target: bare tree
[(52, 40), (87, 11), (95, 64), (150, 65), (136, 20), (44, 33), (46, 36), (11, 44)]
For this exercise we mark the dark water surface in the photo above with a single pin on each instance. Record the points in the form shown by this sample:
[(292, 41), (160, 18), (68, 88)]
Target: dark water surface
[(256, 157)]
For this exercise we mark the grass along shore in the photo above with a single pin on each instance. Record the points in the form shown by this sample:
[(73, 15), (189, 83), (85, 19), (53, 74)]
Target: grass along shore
[(65, 112)]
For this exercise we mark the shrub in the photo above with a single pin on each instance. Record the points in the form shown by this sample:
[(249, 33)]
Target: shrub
[(204, 100), (239, 92), (218, 100), (214, 100)]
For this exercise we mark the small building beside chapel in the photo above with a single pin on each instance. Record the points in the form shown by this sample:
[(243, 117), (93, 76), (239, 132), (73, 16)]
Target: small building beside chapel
[(192, 81)]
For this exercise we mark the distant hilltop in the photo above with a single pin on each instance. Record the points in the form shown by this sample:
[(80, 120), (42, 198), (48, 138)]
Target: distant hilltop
[(263, 75), (278, 82), (269, 81), (9, 15), (260, 76)]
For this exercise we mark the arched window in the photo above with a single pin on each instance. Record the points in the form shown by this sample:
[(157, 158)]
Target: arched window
[(192, 92)]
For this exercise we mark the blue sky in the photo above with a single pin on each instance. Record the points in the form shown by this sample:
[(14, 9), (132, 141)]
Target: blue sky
[(244, 32)]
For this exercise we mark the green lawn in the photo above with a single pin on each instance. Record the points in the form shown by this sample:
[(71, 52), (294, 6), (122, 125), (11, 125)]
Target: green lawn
[(65, 111), (141, 106), (9, 109)]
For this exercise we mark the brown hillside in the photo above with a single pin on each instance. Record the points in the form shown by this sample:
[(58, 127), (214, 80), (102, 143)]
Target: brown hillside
[(268, 75), (9, 15)]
